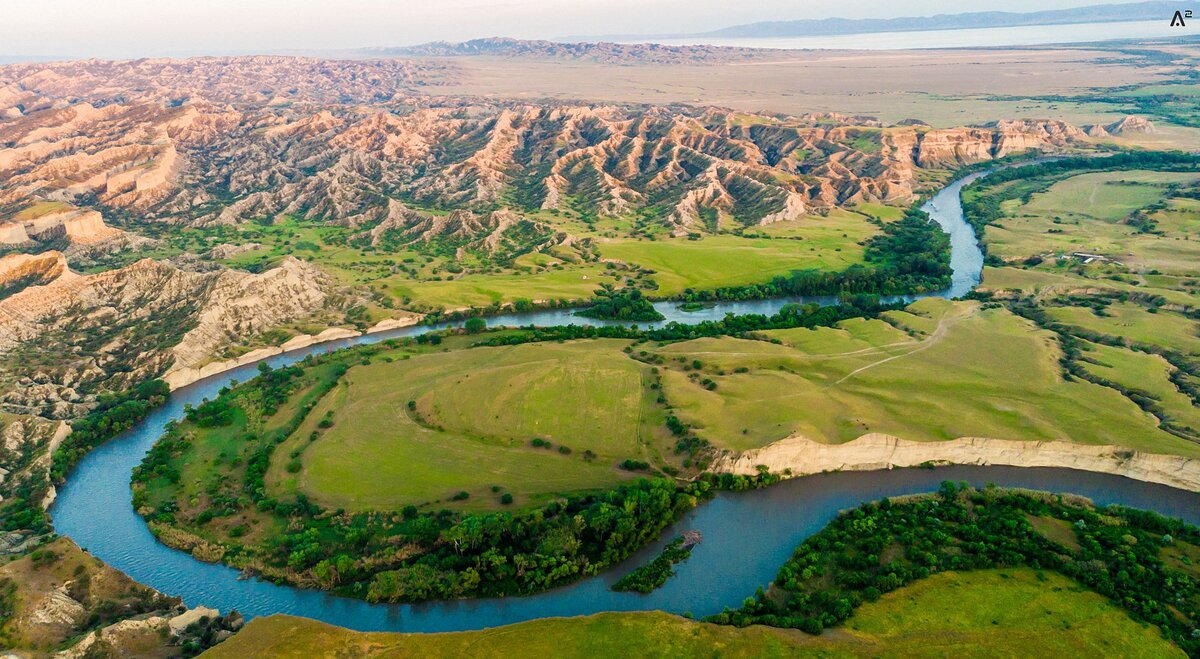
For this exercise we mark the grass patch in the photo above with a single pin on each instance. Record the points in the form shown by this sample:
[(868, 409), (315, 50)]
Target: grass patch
[(724, 260), (1135, 323)]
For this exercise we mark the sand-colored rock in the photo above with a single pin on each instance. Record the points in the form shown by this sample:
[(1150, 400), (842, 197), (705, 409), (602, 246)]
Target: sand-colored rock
[(181, 622), (13, 233), (181, 376), (346, 164), (1131, 124), (57, 608), (31, 269), (878, 451), (240, 304), (125, 637), (221, 307), (394, 323)]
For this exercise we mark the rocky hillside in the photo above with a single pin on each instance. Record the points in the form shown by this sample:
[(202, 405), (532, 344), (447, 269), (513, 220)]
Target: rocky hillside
[(107, 331), (688, 169), (58, 598)]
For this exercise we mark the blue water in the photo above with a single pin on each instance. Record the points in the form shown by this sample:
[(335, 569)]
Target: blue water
[(747, 536)]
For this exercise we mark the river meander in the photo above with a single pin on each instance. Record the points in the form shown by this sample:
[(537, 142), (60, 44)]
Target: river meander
[(747, 536)]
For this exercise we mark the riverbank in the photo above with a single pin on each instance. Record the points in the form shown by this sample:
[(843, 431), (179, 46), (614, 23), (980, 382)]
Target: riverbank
[(800, 456), (182, 376)]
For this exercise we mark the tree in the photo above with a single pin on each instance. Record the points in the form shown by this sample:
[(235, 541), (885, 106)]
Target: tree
[(475, 325)]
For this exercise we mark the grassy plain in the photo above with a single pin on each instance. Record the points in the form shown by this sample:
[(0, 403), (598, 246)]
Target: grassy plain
[(716, 261), (1136, 323), (1088, 213), (407, 278), (942, 87), (472, 418), (967, 371), (1146, 372), (998, 613)]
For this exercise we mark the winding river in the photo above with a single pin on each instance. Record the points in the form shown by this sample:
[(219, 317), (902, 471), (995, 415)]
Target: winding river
[(747, 536)]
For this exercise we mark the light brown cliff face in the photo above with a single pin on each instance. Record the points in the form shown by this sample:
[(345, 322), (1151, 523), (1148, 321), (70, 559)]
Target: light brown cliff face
[(181, 318), (799, 456), (1131, 124), (20, 270)]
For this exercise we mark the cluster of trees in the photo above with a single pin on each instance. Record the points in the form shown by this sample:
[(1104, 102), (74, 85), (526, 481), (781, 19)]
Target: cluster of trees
[(654, 574), (883, 546), (627, 304), (113, 414), (910, 255)]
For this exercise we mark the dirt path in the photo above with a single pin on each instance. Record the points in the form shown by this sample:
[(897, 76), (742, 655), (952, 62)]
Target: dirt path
[(944, 325)]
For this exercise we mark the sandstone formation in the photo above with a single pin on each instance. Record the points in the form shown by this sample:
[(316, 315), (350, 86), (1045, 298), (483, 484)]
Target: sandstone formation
[(75, 226), (180, 375), (874, 451), (20, 270), (1131, 124), (703, 169), (495, 233), (181, 316)]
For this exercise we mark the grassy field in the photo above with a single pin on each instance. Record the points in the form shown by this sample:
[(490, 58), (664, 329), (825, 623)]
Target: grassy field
[(967, 372), (469, 427), (1146, 372), (715, 261), (571, 282), (1135, 323), (1088, 213), (1006, 613), (1047, 282)]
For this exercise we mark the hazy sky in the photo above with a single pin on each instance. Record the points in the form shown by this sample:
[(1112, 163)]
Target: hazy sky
[(137, 28)]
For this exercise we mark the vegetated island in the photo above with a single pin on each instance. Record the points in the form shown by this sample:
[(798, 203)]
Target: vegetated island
[(626, 304), (651, 576)]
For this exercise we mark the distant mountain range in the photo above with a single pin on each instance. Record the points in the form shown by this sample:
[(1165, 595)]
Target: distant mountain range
[(1109, 13)]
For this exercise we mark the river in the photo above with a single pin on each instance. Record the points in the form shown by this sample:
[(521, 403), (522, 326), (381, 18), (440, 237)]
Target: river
[(747, 536)]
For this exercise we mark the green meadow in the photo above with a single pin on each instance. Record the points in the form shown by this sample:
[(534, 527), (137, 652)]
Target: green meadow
[(1092, 213), (1135, 323), (438, 424), (936, 371)]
